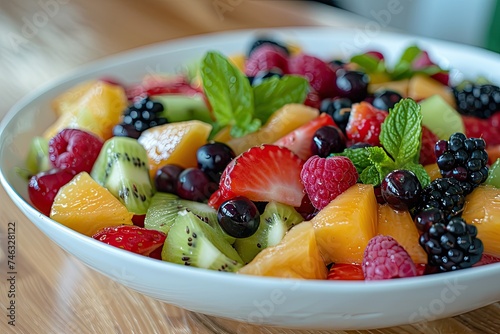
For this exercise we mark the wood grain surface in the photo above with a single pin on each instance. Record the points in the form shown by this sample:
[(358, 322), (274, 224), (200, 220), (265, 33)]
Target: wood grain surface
[(41, 40)]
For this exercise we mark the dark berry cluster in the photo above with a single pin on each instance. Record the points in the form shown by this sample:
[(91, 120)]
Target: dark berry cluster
[(478, 100), (463, 159), (451, 244), (138, 117), (445, 194)]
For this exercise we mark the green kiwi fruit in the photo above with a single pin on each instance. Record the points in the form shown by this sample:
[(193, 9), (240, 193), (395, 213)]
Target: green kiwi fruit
[(38, 156), (275, 221), (123, 168), (192, 242), (178, 108), (164, 208)]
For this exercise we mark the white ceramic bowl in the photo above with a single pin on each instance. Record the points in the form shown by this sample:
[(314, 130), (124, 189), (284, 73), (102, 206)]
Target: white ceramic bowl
[(287, 303)]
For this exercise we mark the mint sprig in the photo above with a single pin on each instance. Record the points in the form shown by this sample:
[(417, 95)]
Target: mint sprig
[(236, 103), (400, 137)]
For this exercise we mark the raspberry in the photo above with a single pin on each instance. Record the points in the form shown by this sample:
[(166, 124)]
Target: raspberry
[(266, 41), (384, 258), (365, 123), (429, 140), (326, 178), (75, 149), (487, 129), (321, 77), (265, 58), (478, 100)]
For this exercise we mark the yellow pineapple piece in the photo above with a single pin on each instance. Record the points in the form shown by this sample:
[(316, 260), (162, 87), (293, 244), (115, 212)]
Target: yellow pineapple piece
[(283, 121), (400, 86), (433, 171), (422, 86), (482, 209), (96, 111), (344, 227), (174, 143), (64, 102), (400, 226), (85, 206), (295, 256)]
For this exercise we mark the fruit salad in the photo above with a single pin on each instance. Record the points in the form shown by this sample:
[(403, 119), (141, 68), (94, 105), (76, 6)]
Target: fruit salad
[(275, 162)]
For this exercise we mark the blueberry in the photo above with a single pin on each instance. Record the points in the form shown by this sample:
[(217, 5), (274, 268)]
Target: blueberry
[(401, 189), (386, 99), (239, 217)]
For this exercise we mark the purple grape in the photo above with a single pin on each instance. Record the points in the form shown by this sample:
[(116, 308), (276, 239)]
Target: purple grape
[(194, 185), (239, 217), (401, 189), (213, 158), (326, 140), (166, 178), (386, 99)]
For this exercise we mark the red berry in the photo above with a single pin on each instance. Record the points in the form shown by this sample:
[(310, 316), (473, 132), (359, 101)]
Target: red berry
[(375, 54), (346, 271), (384, 258), (487, 259), (43, 187), (326, 178), (262, 174), (321, 76), (156, 85), (75, 149), (265, 58), (487, 129), (299, 140), (138, 220), (134, 239), (365, 123), (313, 99), (429, 140)]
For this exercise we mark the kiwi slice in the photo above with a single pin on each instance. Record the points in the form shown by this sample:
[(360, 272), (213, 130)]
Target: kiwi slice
[(494, 175), (275, 221), (179, 108), (440, 117), (38, 156), (192, 242), (123, 168), (164, 208)]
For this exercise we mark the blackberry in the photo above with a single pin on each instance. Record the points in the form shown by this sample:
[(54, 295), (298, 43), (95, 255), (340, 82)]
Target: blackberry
[(445, 194), (463, 159), (450, 244), (478, 100), (339, 109), (138, 117), (262, 41)]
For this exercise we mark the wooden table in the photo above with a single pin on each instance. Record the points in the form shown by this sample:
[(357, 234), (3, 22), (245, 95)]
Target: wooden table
[(41, 40)]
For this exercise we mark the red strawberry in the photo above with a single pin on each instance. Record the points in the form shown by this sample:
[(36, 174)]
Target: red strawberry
[(75, 149), (346, 271), (483, 128), (138, 220), (321, 76), (429, 139), (493, 153), (299, 141), (313, 99), (326, 178), (365, 123), (487, 259), (135, 239), (262, 174), (265, 58), (158, 85)]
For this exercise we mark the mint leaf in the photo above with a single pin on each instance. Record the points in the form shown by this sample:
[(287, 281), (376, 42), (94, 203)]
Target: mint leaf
[(402, 69), (358, 156), (420, 172), (229, 93), (368, 63), (371, 175), (274, 93), (402, 131), (381, 161)]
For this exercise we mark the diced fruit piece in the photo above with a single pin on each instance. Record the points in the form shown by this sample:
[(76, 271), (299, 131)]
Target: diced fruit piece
[(192, 242), (326, 178), (488, 129), (97, 111), (299, 140), (239, 217), (64, 102), (494, 175), (422, 87), (180, 108), (238, 60), (43, 187), (433, 171), (132, 238), (482, 209), (164, 208), (440, 118), (122, 168), (295, 256), (346, 271), (384, 258), (86, 207), (400, 87), (365, 124), (38, 156), (400, 226), (174, 143), (265, 58), (281, 122), (75, 149), (275, 221), (344, 227), (487, 259), (321, 77), (156, 84), (429, 140), (264, 173)]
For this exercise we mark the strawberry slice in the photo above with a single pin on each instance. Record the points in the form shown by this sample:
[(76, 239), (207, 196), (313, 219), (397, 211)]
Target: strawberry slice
[(158, 85), (299, 141), (262, 174), (429, 139), (487, 259), (346, 271), (365, 123), (487, 129), (134, 239)]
